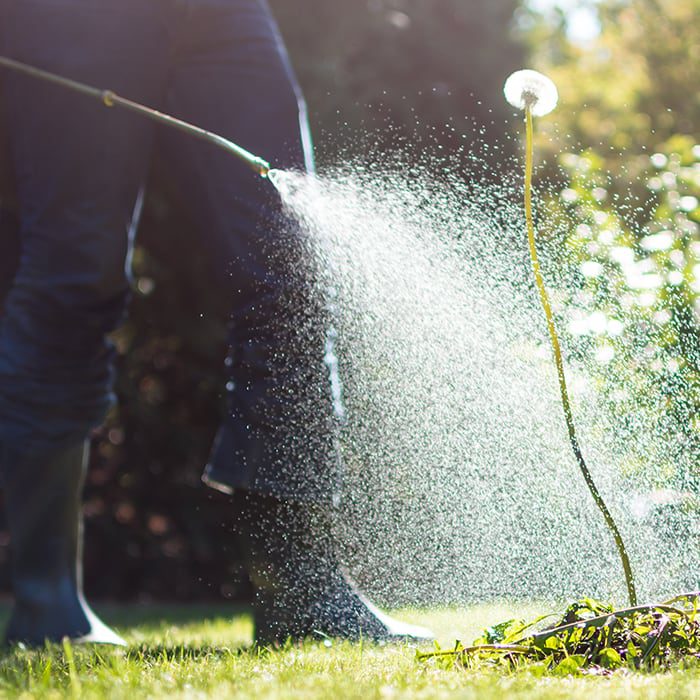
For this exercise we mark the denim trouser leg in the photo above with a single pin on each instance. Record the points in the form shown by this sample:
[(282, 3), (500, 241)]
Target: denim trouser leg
[(78, 168), (220, 64), (234, 78)]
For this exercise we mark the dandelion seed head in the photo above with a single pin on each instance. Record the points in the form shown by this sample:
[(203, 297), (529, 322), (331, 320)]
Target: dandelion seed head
[(528, 88)]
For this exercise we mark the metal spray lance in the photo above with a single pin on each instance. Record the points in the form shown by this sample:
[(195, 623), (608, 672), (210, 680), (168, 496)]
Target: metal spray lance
[(110, 99)]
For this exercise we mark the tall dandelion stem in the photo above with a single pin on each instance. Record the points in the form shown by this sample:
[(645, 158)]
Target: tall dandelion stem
[(556, 348)]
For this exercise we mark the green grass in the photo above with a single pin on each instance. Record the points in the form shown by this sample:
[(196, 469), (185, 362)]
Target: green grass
[(198, 652)]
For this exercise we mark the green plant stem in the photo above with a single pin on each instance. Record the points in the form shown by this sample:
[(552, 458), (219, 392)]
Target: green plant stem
[(554, 338), (690, 595)]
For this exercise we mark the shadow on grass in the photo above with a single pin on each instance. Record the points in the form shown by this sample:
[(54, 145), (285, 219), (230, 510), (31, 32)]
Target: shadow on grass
[(142, 653), (135, 614), (148, 617), (178, 653), (154, 614)]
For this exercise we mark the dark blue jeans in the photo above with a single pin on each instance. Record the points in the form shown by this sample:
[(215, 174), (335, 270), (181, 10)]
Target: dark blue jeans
[(79, 170)]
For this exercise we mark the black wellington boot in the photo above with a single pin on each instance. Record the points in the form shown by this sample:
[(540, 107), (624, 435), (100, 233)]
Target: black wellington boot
[(43, 501), (301, 590)]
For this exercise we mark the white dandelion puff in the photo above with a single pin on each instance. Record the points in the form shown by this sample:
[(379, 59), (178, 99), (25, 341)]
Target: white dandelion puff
[(528, 88)]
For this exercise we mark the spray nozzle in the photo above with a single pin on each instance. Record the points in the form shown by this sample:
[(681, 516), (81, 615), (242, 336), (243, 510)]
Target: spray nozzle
[(262, 166)]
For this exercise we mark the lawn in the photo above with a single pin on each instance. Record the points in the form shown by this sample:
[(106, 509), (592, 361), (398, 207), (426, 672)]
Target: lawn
[(198, 652)]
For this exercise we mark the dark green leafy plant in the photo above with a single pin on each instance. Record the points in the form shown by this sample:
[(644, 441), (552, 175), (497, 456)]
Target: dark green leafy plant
[(590, 637)]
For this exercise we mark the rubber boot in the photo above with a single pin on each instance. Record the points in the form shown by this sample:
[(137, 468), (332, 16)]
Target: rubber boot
[(301, 590), (43, 501)]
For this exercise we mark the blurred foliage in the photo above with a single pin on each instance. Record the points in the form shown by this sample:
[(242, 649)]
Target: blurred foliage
[(635, 301), (627, 143), (635, 85), (152, 529)]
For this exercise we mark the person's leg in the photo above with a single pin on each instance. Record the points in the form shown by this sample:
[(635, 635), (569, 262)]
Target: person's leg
[(233, 77), (277, 447), (78, 168), (9, 244)]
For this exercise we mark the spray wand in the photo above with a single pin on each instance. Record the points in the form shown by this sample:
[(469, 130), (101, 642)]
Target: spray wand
[(111, 99)]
